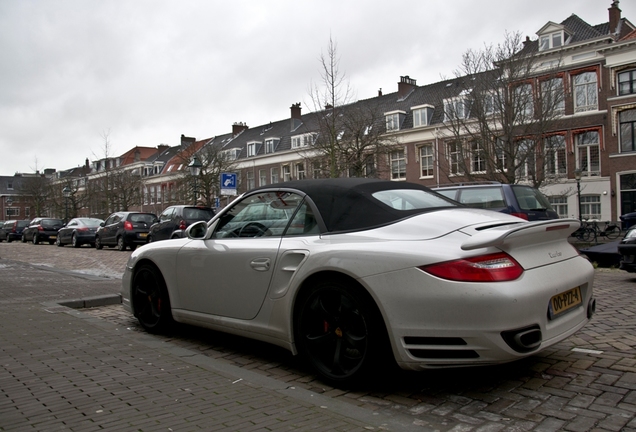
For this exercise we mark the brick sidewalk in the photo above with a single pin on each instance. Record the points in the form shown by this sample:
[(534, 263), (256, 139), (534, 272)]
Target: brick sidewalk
[(64, 370)]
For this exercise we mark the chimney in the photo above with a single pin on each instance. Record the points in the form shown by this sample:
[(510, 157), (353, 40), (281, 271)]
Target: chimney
[(137, 155), (238, 127), (295, 116), (87, 164), (186, 141), (526, 42), (162, 147), (379, 92), (405, 86), (614, 18)]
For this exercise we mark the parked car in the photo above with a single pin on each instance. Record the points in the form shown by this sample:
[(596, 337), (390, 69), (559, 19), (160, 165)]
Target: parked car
[(518, 200), (3, 234), (627, 251), (628, 220), (78, 231), (175, 219), (124, 229), (353, 272), (13, 229), (42, 229)]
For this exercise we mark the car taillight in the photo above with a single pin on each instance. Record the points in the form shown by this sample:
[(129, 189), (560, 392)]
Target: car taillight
[(520, 215), (182, 224), (82, 229), (128, 226), (497, 267), (40, 228)]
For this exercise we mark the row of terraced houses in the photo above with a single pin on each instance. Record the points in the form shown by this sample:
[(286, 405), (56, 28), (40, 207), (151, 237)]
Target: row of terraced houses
[(594, 137)]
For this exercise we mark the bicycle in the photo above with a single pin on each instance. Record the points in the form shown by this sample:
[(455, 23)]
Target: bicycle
[(591, 230)]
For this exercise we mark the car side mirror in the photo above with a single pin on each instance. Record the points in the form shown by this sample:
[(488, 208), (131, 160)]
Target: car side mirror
[(197, 231), (102, 224)]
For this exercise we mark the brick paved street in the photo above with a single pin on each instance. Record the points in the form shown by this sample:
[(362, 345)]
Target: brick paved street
[(587, 382)]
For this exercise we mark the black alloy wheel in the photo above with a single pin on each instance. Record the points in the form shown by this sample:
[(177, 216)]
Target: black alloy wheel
[(340, 332), (74, 241), (121, 245), (23, 238), (35, 239), (98, 243), (150, 299), (58, 241)]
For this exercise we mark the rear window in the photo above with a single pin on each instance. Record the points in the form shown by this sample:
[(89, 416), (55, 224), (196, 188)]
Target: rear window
[(198, 214), (22, 224), (485, 198), (411, 199), (147, 218), (50, 223), (531, 199)]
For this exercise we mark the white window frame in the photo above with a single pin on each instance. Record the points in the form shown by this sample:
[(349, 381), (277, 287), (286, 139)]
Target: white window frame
[(397, 159), (249, 177), (286, 173), (426, 161), (528, 167), (630, 88), (585, 92), (556, 164), (299, 169), (262, 177), (273, 175), (560, 205), (588, 151), (455, 154), (591, 207), (524, 100), (422, 115), (477, 157), (456, 108), (551, 40), (252, 148), (549, 91)]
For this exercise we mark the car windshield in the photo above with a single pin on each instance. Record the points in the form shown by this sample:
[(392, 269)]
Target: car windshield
[(411, 199), (530, 198), (199, 214)]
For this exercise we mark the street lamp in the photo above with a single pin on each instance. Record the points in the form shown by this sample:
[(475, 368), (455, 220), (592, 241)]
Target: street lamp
[(577, 176), (67, 193), (195, 169)]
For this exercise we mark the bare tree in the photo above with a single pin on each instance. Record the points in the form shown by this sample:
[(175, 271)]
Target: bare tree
[(503, 114), (350, 135), (35, 189)]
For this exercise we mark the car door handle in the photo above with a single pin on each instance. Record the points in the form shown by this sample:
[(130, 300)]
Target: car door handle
[(260, 264)]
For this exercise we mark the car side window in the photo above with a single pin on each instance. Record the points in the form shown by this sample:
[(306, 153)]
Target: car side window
[(304, 222), (258, 215)]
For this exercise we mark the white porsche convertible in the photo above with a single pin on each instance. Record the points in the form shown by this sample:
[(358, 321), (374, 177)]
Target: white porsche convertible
[(350, 273)]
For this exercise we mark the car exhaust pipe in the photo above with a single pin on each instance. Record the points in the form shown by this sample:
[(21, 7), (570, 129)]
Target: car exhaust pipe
[(591, 308), (523, 340)]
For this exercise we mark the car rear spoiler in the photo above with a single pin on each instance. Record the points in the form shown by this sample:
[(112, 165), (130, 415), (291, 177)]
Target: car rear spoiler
[(531, 232)]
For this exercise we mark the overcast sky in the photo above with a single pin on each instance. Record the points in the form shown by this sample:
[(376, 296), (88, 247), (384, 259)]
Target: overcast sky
[(145, 72)]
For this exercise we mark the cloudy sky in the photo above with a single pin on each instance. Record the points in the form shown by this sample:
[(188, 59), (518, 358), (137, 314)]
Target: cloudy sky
[(144, 72)]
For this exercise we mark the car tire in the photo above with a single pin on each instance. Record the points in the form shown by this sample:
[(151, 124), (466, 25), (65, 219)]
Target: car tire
[(149, 239), (9, 240), (340, 332), (150, 299), (98, 243), (23, 238), (74, 241), (58, 242), (35, 239), (121, 245), (133, 247)]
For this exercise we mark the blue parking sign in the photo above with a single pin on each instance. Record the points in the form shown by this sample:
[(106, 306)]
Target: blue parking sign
[(228, 184)]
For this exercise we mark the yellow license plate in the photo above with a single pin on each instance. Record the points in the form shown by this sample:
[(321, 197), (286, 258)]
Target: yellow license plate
[(143, 235), (53, 237), (564, 302)]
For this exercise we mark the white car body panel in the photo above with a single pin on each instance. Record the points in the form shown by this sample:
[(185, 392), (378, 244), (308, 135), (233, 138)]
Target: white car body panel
[(248, 286)]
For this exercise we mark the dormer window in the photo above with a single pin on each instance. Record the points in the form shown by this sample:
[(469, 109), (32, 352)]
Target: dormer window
[(304, 140), (231, 154), (551, 40), (422, 115), (270, 145), (252, 149), (394, 120), (456, 108)]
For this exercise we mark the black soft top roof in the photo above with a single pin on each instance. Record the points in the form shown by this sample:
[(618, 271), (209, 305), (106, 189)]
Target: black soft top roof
[(347, 204)]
